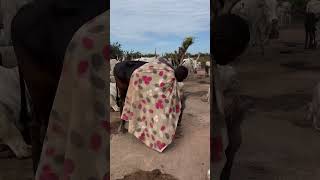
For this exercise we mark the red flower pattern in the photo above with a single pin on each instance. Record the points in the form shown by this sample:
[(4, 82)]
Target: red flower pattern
[(161, 73), (151, 129), (83, 67), (50, 151), (160, 145), (87, 43), (146, 79), (159, 104), (105, 52), (95, 142), (68, 166)]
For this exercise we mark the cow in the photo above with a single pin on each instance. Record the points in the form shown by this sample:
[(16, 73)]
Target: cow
[(10, 127), (227, 78), (262, 18), (310, 30), (191, 64), (313, 6), (40, 34), (8, 10), (284, 13), (122, 73), (147, 59), (113, 97), (207, 68), (113, 62), (312, 15), (8, 57), (230, 38)]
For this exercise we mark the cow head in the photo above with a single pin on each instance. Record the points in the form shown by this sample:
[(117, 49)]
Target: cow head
[(270, 8)]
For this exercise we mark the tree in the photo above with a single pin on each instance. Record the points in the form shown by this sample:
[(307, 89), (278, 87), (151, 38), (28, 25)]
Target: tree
[(115, 51), (182, 50)]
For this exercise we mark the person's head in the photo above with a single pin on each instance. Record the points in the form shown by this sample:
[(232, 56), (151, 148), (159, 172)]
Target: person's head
[(229, 39), (181, 73)]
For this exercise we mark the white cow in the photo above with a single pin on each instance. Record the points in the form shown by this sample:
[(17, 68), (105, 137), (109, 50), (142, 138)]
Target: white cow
[(153, 59), (313, 6), (191, 64), (207, 67), (113, 97), (8, 9), (9, 58), (227, 79), (261, 16), (284, 13), (10, 111), (147, 59), (113, 62)]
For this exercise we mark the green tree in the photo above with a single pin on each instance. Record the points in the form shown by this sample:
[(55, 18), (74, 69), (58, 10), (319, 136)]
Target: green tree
[(182, 50), (116, 51)]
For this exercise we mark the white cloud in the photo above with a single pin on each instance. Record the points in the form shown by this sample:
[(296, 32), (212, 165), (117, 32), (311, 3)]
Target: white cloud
[(133, 20)]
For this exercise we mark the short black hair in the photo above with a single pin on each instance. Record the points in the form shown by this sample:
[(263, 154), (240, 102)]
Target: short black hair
[(181, 73), (229, 39)]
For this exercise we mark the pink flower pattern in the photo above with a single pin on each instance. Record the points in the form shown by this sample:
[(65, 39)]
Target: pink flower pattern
[(154, 108), (70, 151)]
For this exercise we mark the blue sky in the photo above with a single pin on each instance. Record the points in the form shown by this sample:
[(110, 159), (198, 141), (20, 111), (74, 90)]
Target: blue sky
[(143, 25)]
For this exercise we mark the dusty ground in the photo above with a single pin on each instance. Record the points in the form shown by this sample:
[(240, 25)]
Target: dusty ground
[(186, 159), (278, 143), (147, 175)]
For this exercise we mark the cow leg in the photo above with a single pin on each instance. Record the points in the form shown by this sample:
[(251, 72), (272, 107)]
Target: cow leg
[(123, 122), (42, 91), (311, 40), (233, 121), (233, 147), (306, 40), (123, 93)]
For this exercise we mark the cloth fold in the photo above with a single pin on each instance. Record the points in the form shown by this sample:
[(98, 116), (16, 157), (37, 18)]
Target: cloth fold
[(76, 145)]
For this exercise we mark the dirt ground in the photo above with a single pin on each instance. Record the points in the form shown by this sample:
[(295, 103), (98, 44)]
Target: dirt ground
[(186, 159), (155, 174), (278, 143)]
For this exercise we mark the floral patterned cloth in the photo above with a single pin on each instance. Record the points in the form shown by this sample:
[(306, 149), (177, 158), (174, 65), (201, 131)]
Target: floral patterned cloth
[(76, 145), (153, 104)]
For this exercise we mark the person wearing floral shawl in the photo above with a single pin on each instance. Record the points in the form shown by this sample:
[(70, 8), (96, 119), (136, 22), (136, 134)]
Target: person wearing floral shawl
[(153, 103)]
